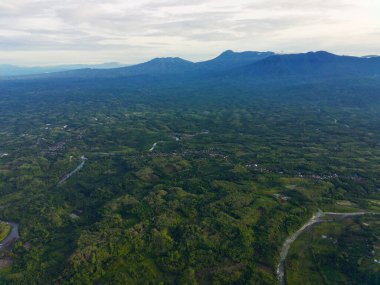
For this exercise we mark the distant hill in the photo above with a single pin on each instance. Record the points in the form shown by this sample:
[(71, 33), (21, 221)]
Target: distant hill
[(167, 65), (175, 65), (370, 56), (230, 59), (311, 65), (158, 66), (13, 70)]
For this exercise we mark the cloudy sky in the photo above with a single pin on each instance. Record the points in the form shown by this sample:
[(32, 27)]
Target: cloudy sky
[(129, 31)]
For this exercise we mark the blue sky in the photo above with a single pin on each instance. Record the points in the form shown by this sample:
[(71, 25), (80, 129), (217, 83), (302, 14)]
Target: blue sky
[(49, 32)]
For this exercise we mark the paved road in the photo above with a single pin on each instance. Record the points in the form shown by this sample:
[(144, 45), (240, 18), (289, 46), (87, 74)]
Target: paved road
[(79, 167), (11, 238), (317, 218), (153, 147)]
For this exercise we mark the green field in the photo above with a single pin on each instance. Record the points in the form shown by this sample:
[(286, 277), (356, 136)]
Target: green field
[(341, 252), (5, 229)]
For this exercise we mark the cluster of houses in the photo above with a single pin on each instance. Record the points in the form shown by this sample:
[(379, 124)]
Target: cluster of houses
[(57, 147), (281, 197)]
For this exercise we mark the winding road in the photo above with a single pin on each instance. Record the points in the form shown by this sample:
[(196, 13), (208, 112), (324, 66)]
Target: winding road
[(177, 138), (317, 218), (79, 167), (153, 147), (11, 238)]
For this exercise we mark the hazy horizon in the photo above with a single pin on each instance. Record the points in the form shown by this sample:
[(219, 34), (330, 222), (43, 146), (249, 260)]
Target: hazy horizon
[(44, 32), (58, 64)]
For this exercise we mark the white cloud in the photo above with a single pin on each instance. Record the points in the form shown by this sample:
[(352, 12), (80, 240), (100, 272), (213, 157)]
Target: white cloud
[(49, 31)]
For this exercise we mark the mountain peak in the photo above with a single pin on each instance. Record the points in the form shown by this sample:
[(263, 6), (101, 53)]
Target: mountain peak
[(169, 60), (247, 55), (321, 53), (227, 52), (230, 59), (231, 52)]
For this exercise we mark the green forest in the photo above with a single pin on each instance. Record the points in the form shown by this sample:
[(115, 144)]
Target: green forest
[(114, 184)]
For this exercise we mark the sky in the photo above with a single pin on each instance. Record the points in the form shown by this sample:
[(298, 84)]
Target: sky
[(49, 32)]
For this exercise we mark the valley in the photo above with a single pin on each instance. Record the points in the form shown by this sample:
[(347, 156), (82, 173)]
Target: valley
[(172, 176)]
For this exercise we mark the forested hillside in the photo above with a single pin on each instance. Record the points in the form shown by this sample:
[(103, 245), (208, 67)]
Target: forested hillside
[(172, 180)]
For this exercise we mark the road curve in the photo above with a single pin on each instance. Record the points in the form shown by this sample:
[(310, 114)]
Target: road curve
[(79, 167), (317, 218), (153, 147), (11, 238)]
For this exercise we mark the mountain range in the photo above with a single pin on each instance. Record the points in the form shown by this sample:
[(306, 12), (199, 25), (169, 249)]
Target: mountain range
[(251, 66)]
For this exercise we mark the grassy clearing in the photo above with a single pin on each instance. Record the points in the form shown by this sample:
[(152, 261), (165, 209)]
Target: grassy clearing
[(5, 229), (343, 252)]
